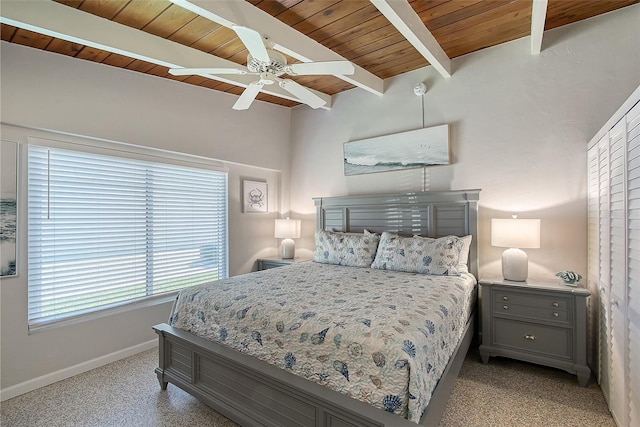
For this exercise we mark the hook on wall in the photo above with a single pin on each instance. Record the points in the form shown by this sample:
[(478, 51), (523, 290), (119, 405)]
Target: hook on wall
[(420, 89)]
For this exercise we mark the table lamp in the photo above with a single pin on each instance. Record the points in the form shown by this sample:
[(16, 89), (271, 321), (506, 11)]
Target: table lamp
[(515, 234), (288, 229)]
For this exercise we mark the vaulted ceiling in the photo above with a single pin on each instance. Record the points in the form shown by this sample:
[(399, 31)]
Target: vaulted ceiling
[(382, 38)]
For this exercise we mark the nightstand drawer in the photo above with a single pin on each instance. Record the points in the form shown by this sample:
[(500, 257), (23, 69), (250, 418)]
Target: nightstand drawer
[(536, 313), (275, 262), (529, 300), (545, 340), (265, 265)]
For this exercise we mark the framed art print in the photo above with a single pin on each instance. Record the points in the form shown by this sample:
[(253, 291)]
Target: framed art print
[(405, 150), (8, 207), (254, 196)]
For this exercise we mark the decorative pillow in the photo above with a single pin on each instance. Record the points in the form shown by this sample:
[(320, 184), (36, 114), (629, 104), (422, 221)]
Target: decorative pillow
[(353, 250), (419, 254), (463, 262)]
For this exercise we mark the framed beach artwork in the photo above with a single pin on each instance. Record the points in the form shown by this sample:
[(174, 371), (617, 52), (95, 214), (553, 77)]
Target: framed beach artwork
[(8, 207), (406, 150), (254, 196)]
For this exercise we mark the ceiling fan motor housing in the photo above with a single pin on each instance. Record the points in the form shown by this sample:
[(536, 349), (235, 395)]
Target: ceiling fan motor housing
[(275, 66)]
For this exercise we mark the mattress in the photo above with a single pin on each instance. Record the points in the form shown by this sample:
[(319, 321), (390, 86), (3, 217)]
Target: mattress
[(378, 336)]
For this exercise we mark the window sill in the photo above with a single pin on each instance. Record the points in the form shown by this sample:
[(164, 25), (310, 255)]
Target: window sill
[(147, 302)]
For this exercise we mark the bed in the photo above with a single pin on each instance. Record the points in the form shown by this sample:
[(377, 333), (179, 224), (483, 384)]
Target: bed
[(290, 385)]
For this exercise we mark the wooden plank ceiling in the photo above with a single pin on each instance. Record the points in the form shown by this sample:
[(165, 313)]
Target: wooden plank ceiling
[(354, 29)]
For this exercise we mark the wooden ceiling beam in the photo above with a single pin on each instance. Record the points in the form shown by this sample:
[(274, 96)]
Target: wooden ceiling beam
[(284, 38), (63, 22), (406, 20), (538, 19)]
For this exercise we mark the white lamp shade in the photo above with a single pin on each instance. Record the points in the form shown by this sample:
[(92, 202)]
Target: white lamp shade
[(515, 233), (287, 228)]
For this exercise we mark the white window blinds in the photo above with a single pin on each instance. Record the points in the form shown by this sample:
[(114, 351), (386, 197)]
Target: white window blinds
[(106, 231)]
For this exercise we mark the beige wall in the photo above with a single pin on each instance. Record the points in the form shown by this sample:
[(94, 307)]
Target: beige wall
[(58, 97), (519, 124)]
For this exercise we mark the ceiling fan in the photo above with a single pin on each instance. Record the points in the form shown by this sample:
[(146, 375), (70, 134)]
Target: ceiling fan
[(270, 65)]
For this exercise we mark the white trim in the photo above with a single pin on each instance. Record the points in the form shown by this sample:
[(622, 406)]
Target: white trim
[(97, 313), (538, 19), (620, 113), (129, 151), (62, 374)]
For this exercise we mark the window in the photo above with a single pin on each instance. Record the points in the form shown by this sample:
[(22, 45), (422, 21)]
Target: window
[(106, 231)]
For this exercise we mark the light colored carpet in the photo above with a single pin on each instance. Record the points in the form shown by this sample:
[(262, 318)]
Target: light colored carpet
[(507, 393), (126, 393)]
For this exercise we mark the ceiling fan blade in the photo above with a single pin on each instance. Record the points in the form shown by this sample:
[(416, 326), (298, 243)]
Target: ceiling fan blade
[(192, 71), (253, 42), (302, 93), (345, 68), (248, 96)]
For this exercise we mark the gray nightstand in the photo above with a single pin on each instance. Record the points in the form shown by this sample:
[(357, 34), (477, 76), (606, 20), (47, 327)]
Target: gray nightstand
[(274, 262), (541, 322)]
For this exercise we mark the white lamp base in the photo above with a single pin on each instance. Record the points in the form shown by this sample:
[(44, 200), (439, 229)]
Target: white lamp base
[(515, 265), (288, 249)]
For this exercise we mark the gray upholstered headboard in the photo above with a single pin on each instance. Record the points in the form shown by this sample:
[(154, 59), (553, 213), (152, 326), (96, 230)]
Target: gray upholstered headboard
[(431, 214)]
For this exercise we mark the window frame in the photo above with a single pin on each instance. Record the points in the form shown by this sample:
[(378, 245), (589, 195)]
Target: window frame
[(125, 151)]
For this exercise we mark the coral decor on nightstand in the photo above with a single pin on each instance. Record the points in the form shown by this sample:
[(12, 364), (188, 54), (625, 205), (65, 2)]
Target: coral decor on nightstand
[(569, 278)]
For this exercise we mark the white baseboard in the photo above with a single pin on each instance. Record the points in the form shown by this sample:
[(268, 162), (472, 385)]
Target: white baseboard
[(44, 380)]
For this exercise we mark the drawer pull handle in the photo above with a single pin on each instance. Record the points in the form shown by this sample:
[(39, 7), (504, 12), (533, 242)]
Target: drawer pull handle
[(555, 314), (505, 307), (530, 337), (505, 298), (555, 304)]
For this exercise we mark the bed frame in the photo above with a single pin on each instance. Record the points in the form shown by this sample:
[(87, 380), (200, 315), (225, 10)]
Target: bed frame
[(254, 393)]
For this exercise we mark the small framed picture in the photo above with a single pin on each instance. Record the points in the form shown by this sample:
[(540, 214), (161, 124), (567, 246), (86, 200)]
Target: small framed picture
[(8, 207), (254, 196)]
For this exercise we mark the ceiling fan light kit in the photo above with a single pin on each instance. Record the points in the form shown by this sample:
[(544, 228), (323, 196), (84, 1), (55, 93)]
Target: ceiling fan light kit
[(269, 65), (276, 63)]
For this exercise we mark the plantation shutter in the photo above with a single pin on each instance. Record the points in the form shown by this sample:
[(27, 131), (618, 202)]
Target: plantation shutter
[(618, 265), (593, 253), (633, 296), (106, 231), (618, 270), (604, 264)]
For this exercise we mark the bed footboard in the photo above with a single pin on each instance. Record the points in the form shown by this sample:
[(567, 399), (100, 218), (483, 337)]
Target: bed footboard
[(253, 393)]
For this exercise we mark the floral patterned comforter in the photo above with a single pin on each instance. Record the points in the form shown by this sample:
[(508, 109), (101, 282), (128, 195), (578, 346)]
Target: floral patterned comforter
[(379, 336)]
